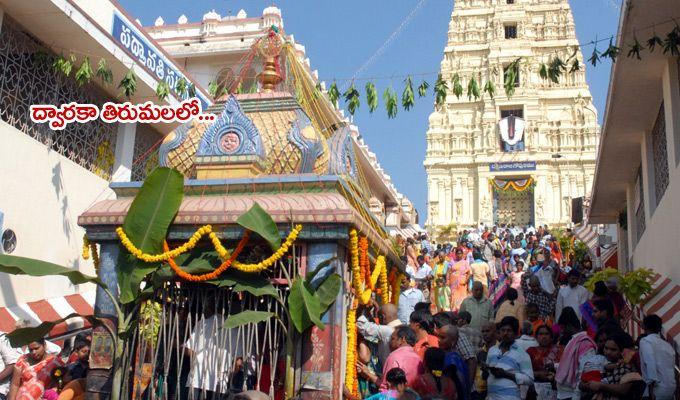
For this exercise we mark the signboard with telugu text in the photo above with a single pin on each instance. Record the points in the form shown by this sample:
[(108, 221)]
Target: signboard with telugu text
[(128, 36), (512, 166)]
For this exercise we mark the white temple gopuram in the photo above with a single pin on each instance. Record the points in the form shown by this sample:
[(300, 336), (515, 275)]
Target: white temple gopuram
[(520, 159)]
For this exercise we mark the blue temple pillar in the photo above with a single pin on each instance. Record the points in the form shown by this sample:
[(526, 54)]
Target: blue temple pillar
[(322, 358), (102, 349)]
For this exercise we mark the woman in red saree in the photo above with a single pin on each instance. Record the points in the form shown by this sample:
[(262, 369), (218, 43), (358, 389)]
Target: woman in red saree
[(33, 373)]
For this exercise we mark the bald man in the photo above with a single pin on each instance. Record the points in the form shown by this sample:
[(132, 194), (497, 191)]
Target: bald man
[(448, 338), (479, 307), (380, 333)]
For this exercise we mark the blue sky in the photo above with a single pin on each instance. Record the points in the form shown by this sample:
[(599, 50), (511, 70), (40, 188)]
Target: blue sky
[(340, 36)]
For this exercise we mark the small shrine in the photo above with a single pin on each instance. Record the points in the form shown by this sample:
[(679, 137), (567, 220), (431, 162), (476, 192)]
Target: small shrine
[(285, 150)]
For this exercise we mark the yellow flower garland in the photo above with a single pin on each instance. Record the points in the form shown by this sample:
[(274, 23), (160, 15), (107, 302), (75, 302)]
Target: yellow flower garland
[(380, 268), (221, 250), (90, 248), (384, 287), (350, 366)]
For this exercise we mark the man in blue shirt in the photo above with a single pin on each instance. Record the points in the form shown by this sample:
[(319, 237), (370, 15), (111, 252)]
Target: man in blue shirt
[(507, 364), (408, 298)]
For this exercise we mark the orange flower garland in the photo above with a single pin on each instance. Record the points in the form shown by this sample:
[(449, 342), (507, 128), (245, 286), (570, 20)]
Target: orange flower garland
[(364, 263), (210, 275)]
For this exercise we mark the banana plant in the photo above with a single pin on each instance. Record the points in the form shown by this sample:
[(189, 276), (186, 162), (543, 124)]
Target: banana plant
[(146, 224)]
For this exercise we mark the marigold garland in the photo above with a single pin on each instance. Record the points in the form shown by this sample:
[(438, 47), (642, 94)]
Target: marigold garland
[(223, 252), (90, 248), (364, 264), (210, 275), (363, 280), (384, 288), (266, 263), (350, 366)]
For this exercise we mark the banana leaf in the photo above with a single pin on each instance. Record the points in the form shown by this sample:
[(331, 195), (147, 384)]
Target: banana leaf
[(15, 265), (259, 221), (328, 291), (304, 309), (23, 336), (146, 225), (247, 317)]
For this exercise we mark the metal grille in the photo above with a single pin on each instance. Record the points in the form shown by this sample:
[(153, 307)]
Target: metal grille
[(27, 77), (220, 360), (145, 155), (659, 150)]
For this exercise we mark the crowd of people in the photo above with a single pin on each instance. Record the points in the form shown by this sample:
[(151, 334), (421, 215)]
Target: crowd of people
[(502, 313), (44, 370)]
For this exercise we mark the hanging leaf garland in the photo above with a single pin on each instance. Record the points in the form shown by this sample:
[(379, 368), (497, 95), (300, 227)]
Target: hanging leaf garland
[(490, 88), (575, 66), (457, 86), (595, 57), (422, 89), (653, 42), (212, 88), (128, 84), (64, 65), (351, 96), (612, 51), (473, 89), (543, 71), (407, 96), (635, 49), (672, 42), (162, 90), (371, 97), (391, 106), (334, 94), (84, 73), (191, 90), (557, 67), (104, 72), (440, 90), (181, 87), (511, 78)]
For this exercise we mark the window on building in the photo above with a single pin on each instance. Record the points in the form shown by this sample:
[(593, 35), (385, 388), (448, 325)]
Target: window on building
[(511, 31), (660, 154), (505, 74), (509, 1), (516, 111)]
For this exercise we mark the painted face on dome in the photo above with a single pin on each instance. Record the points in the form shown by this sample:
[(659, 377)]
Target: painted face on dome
[(230, 142)]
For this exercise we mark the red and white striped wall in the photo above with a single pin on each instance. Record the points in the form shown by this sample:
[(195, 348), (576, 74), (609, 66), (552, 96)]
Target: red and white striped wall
[(664, 301), (52, 309)]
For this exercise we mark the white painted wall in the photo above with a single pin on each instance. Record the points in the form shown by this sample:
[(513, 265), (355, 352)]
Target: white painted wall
[(657, 248), (41, 194)]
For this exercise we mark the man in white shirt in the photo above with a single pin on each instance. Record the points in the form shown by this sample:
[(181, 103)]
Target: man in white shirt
[(380, 333), (546, 272), (8, 356), (216, 353), (571, 295), (657, 361)]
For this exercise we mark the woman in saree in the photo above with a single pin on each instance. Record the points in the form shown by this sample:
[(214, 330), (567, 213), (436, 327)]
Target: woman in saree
[(441, 292), (33, 373), (460, 275)]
